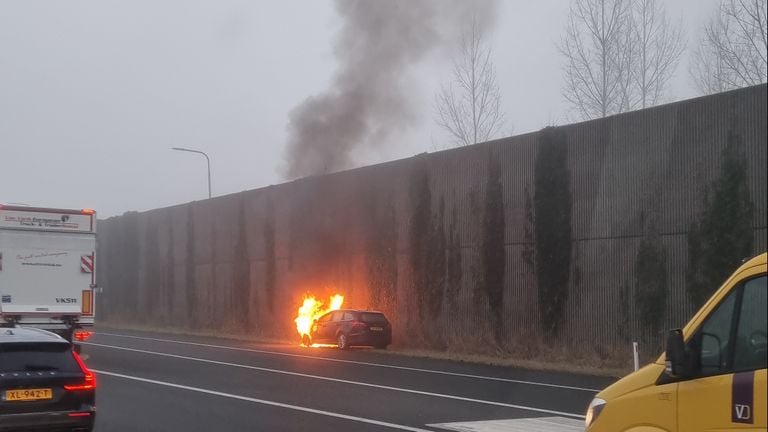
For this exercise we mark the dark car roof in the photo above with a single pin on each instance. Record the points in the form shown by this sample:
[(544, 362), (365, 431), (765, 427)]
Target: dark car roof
[(354, 310), (28, 334), (357, 310)]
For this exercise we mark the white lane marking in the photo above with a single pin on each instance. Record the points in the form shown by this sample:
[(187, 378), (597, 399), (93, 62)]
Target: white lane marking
[(264, 402), (482, 377), (543, 424), (339, 380)]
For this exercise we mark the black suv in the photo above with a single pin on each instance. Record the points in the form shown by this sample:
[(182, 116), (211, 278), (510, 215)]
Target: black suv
[(348, 327), (44, 384)]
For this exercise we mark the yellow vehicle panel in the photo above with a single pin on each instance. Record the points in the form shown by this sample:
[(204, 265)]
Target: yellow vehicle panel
[(722, 397)]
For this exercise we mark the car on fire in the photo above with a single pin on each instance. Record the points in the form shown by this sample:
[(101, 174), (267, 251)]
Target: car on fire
[(350, 327), (44, 384)]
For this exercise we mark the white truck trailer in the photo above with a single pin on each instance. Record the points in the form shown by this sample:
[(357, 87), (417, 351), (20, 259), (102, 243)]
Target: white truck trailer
[(47, 269)]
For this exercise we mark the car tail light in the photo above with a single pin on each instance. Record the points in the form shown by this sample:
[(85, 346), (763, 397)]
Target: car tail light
[(89, 381), (358, 324), (82, 335)]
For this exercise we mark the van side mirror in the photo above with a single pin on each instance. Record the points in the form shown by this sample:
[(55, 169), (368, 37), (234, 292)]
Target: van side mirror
[(678, 362)]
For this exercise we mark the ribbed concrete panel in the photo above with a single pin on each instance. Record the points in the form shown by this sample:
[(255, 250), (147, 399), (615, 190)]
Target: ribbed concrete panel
[(241, 263)]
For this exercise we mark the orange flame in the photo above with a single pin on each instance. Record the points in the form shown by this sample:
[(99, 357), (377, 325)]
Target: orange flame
[(313, 309)]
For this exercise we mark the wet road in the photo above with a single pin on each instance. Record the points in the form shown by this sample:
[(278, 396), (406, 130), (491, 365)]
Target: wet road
[(163, 382)]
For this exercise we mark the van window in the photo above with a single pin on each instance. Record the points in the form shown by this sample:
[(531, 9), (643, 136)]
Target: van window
[(751, 336), (714, 338)]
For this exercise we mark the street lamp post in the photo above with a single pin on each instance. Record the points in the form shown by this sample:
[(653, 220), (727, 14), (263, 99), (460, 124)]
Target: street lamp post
[(206, 158)]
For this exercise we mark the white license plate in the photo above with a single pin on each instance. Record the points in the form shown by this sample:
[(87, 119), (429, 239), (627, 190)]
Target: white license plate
[(377, 328)]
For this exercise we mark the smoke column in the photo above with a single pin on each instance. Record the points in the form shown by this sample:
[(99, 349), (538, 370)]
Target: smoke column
[(379, 44)]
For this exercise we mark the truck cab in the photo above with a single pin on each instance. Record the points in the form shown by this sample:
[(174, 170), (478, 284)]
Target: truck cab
[(47, 269), (712, 376)]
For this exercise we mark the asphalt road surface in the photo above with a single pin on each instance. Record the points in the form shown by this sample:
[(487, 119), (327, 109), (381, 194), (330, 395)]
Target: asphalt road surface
[(163, 382)]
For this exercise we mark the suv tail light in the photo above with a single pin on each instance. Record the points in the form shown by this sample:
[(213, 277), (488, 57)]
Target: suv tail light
[(89, 381), (358, 324)]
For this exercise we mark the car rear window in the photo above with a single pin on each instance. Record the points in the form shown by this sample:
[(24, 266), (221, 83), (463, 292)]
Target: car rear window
[(373, 318), (18, 357)]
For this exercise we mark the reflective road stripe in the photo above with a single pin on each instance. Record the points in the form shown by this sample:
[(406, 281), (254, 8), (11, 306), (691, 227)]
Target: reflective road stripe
[(381, 365), (338, 380), (542, 424), (264, 402)]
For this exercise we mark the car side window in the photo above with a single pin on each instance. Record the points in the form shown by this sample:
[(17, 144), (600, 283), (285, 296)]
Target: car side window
[(751, 344), (348, 316), (713, 339), (337, 316)]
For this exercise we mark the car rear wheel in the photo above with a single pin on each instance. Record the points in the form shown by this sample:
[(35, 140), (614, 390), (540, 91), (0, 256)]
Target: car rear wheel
[(342, 341)]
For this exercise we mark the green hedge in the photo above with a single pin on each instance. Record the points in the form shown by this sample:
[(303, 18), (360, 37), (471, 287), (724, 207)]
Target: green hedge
[(552, 212), (493, 253), (722, 236)]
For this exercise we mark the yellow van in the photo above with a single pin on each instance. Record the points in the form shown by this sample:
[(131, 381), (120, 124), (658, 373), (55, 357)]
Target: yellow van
[(713, 375)]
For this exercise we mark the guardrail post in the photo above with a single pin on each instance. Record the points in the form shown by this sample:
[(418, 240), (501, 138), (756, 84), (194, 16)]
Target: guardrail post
[(635, 355)]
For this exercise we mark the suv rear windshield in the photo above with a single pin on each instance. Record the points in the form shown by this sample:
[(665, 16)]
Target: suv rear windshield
[(18, 357), (373, 318)]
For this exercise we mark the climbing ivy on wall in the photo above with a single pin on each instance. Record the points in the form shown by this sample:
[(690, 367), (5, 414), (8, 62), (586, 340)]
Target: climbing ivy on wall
[(454, 270), (270, 259), (129, 255), (240, 301), (427, 251), (170, 278), (528, 253), (189, 270), (381, 250), (552, 229), (651, 283), (212, 319), (722, 236), (493, 253), (152, 284)]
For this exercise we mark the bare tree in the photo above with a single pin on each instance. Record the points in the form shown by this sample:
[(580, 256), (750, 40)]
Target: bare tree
[(659, 46), (619, 55), (469, 106), (597, 47), (708, 69), (733, 50)]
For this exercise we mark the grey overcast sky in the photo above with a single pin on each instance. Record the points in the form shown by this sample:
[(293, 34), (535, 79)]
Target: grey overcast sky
[(94, 93)]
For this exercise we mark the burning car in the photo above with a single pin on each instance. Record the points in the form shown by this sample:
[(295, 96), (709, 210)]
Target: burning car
[(318, 324), (349, 327)]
